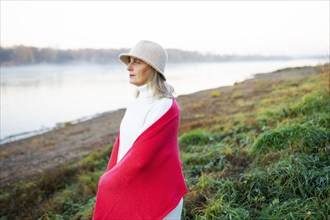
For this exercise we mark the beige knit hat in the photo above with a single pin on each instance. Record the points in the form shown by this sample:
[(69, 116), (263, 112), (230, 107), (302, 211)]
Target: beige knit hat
[(150, 52)]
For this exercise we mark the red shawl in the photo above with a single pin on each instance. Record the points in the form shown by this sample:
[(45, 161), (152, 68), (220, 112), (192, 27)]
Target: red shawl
[(147, 183)]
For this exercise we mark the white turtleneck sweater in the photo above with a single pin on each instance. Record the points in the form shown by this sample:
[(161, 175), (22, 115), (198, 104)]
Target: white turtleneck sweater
[(140, 114)]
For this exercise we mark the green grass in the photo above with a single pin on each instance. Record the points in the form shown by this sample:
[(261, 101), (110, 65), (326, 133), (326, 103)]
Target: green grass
[(57, 194), (288, 171), (307, 138), (288, 189), (193, 138), (271, 162)]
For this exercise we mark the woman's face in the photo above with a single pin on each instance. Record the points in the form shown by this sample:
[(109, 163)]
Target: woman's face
[(139, 71)]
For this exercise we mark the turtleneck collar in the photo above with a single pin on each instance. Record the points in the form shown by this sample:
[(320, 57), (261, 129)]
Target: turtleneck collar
[(145, 91)]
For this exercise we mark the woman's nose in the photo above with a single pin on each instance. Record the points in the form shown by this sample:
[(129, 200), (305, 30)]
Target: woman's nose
[(129, 67)]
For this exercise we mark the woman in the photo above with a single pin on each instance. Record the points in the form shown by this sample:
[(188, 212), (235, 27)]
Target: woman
[(144, 178)]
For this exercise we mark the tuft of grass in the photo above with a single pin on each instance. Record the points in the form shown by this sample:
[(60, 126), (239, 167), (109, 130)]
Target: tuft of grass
[(220, 209), (294, 208), (237, 95), (314, 102), (303, 137), (196, 137), (215, 93)]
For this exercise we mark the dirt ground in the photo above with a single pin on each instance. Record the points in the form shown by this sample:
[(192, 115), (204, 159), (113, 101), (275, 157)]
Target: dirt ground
[(34, 155)]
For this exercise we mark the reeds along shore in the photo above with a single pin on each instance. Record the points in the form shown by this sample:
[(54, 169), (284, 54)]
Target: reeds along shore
[(255, 150)]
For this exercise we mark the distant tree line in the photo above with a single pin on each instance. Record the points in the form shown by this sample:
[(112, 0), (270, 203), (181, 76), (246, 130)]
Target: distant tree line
[(23, 55)]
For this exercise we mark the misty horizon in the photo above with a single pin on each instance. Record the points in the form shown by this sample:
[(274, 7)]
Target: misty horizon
[(170, 49), (23, 55), (221, 28)]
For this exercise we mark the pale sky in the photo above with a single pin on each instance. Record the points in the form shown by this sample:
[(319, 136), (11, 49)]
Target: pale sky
[(222, 27)]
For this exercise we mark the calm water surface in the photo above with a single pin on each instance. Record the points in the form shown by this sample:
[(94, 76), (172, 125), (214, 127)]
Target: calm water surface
[(39, 97)]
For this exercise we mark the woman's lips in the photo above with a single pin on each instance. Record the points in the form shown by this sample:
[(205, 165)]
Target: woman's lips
[(131, 75)]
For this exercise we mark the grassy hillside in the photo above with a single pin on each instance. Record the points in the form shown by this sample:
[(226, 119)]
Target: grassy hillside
[(266, 156)]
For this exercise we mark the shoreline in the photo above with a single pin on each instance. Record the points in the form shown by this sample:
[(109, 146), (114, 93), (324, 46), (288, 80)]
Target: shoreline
[(22, 123), (35, 154), (42, 130), (59, 125)]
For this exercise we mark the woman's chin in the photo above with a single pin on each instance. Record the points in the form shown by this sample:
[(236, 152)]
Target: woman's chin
[(131, 81)]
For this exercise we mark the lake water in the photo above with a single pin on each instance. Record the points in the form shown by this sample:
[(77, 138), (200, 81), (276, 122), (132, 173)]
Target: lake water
[(37, 98)]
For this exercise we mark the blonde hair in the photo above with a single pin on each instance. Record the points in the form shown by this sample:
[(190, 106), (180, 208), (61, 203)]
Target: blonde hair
[(161, 89)]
